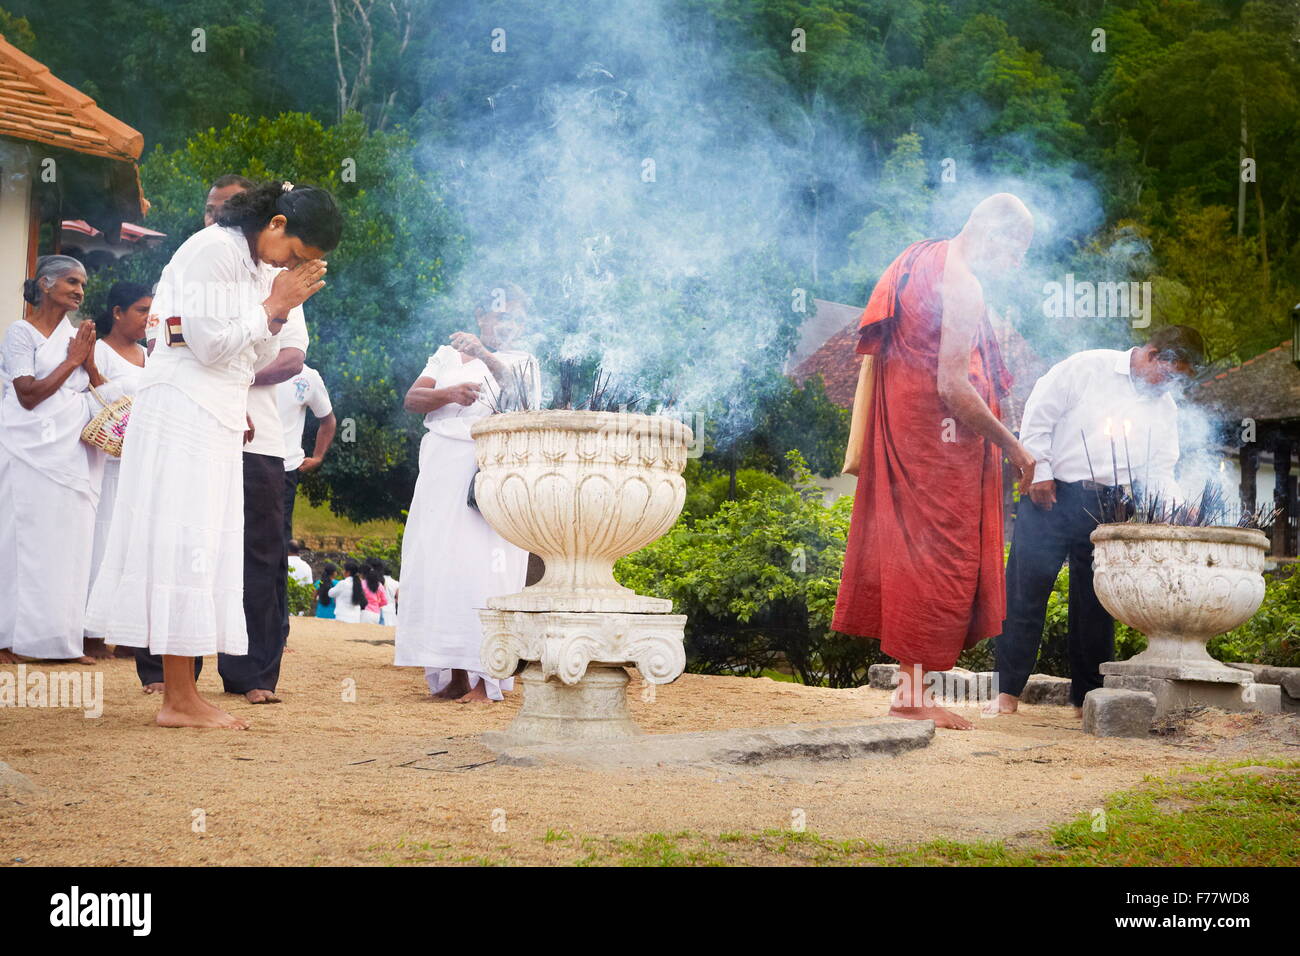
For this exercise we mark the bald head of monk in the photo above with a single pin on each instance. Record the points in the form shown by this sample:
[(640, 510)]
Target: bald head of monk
[(997, 235)]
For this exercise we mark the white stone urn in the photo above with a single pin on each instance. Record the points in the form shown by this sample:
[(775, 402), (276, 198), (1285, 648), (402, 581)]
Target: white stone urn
[(581, 490), (1180, 586)]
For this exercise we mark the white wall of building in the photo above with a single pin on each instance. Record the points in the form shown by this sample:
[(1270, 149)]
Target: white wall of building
[(16, 164)]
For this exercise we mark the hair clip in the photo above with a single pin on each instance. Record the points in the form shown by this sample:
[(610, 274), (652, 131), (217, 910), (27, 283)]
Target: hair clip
[(286, 187)]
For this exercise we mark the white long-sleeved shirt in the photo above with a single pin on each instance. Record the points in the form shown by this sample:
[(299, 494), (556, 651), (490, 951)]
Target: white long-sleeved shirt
[(217, 290), (1092, 394)]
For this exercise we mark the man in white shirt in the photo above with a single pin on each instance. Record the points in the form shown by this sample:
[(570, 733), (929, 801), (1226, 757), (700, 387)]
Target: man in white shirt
[(293, 397), (1098, 423), (299, 569)]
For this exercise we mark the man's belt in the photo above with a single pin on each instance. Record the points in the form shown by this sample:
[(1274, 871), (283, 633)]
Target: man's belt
[(1087, 485)]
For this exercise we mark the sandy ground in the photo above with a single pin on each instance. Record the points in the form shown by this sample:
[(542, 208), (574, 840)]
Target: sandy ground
[(395, 777)]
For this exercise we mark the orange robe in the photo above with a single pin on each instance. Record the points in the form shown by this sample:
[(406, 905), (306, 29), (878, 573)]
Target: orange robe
[(923, 570)]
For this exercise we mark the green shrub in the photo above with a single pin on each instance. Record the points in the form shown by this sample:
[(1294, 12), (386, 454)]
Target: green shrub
[(1272, 636), (302, 598), (757, 579), (386, 549), (706, 493)]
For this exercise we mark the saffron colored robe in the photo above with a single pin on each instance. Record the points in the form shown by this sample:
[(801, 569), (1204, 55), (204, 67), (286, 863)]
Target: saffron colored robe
[(923, 570)]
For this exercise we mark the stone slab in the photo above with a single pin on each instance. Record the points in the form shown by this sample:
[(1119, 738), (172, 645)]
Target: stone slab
[(13, 780), (838, 740), (1209, 672), (1112, 712), (1288, 678), (1046, 689), (1173, 695), (882, 676)]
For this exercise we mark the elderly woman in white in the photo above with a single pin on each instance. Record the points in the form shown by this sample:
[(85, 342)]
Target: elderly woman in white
[(452, 560), (172, 577), (49, 478)]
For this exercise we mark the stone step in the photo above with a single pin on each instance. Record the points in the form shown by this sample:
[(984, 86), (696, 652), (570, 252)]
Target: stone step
[(837, 740)]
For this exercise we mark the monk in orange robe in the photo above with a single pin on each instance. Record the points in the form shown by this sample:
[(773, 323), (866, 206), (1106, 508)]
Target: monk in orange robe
[(923, 569)]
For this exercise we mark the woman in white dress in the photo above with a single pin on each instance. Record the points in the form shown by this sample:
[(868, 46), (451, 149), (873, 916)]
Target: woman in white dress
[(349, 597), (172, 577), (49, 478), (452, 560), (119, 356)]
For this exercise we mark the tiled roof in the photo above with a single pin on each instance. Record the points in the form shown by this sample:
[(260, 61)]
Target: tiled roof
[(837, 361), (1265, 388), (38, 107)]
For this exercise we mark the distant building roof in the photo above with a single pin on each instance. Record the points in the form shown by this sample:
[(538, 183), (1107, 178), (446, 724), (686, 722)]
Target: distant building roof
[(837, 361), (1265, 388), (37, 106)]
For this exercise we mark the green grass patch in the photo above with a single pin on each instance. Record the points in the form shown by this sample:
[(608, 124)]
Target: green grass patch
[(1206, 815)]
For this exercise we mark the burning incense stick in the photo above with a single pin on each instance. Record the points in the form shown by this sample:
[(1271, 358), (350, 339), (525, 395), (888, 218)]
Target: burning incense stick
[(1128, 460)]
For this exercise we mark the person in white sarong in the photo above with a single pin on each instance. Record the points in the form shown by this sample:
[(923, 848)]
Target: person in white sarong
[(452, 560), (119, 356), (49, 478), (172, 575)]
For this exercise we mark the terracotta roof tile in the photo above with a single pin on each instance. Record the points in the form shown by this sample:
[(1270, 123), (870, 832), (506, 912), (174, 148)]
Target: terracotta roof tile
[(38, 107), (1265, 387)]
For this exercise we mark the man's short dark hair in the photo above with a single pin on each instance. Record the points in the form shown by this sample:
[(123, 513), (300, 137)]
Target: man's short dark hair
[(1178, 343), (232, 179)]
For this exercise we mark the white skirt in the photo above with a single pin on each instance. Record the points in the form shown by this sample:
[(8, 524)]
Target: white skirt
[(46, 531), (452, 562), (172, 577), (103, 519)]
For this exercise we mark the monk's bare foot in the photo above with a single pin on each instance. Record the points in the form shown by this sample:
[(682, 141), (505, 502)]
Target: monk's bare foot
[(1002, 704), (125, 652), (8, 657), (201, 714), (478, 695), (96, 649), (261, 697), (940, 716), (153, 688)]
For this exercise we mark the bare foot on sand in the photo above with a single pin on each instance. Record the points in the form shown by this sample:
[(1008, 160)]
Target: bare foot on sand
[(198, 713), (154, 688), (261, 697), (8, 657), (457, 689), (477, 695), (1002, 704), (941, 717), (96, 649)]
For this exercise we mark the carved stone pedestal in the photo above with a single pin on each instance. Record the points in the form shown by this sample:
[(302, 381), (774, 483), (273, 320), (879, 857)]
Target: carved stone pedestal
[(1180, 586), (576, 689)]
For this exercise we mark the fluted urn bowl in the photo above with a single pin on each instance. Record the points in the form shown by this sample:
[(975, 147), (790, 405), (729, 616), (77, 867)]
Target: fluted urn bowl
[(581, 490), (1180, 586)]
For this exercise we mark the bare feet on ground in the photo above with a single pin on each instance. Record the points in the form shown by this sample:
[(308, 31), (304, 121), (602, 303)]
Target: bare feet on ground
[(261, 697), (198, 713), (96, 649), (154, 688), (940, 716), (477, 695), (1002, 704), (457, 689), (8, 657)]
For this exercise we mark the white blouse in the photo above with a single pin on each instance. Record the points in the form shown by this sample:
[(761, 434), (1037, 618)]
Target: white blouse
[(217, 290), (446, 367)]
